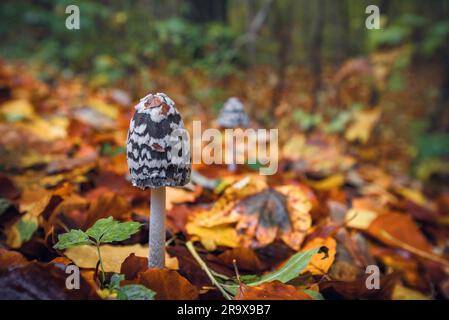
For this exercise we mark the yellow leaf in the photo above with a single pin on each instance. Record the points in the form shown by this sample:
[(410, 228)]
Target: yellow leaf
[(211, 237), (99, 105), (332, 182), (360, 218), (112, 256), (363, 124), (17, 110)]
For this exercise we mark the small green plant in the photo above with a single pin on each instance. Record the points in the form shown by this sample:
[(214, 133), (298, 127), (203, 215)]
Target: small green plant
[(105, 230), (129, 291)]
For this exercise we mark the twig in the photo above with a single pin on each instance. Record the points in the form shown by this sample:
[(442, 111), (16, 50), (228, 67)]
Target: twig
[(415, 251), (203, 266), (255, 25)]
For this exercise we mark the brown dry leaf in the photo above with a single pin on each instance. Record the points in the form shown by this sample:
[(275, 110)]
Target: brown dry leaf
[(113, 256), (133, 265), (401, 227), (34, 203), (282, 212), (106, 205), (168, 284), (357, 289), (363, 124), (274, 290), (10, 260), (257, 220), (321, 262), (245, 258), (39, 281)]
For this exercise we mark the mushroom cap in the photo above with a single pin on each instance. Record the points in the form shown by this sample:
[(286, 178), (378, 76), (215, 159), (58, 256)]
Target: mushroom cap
[(157, 147), (233, 115)]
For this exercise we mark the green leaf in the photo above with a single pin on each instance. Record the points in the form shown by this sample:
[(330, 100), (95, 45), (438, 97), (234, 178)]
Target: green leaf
[(314, 294), (108, 230), (71, 239), (114, 284), (4, 205), (100, 228), (290, 270), (135, 292), (120, 231), (26, 229)]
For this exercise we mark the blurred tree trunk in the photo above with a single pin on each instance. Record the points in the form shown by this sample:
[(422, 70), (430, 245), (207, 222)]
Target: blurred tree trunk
[(283, 25), (202, 11), (340, 31), (316, 51), (439, 118), (251, 45)]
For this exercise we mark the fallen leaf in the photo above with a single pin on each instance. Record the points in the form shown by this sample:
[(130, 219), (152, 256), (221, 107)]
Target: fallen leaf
[(322, 261), (133, 265), (39, 281), (168, 284), (113, 256), (363, 123), (401, 227), (245, 258), (404, 293), (274, 290)]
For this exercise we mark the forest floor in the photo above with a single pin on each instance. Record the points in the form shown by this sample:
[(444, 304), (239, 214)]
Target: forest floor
[(344, 197)]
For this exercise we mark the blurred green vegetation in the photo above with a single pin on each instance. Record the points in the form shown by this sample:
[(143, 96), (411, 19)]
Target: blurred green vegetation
[(123, 39)]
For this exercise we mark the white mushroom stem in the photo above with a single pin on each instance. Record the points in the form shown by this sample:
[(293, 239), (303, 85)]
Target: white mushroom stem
[(157, 228), (232, 166)]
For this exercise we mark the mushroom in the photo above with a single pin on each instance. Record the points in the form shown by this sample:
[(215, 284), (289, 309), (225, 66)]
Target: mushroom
[(158, 156), (232, 116)]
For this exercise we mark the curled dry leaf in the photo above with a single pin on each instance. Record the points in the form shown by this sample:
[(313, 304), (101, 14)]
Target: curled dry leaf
[(274, 290), (245, 258), (168, 284)]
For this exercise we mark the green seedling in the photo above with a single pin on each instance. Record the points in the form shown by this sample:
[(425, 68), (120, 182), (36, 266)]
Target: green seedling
[(105, 230), (129, 291)]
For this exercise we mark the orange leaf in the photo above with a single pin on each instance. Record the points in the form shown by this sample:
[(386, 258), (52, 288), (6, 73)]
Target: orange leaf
[(321, 262), (168, 284), (274, 290)]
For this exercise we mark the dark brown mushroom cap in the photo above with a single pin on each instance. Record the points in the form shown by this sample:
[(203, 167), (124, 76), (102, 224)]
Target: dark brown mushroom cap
[(158, 149), (233, 115)]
